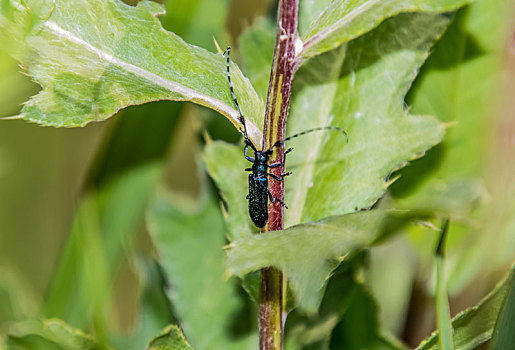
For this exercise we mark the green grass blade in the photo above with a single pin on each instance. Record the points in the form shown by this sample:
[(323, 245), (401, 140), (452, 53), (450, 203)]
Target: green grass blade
[(443, 314), (475, 326)]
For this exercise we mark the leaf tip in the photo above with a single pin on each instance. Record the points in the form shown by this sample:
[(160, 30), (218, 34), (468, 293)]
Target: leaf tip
[(229, 246), (218, 49), (447, 125), (427, 224), (228, 273), (440, 247), (13, 117), (389, 182)]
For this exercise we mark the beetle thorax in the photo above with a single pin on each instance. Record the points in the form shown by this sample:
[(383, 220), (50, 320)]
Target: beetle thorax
[(260, 165)]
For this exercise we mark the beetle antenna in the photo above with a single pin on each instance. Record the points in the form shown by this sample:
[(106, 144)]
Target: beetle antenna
[(329, 128), (242, 118)]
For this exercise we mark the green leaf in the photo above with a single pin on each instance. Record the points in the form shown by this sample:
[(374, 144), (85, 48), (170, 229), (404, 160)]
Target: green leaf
[(309, 11), (189, 238), (503, 336), (475, 325), (345, 20), (171, 339), (93, 58), (360, 88), (307, 253), (49, 334)]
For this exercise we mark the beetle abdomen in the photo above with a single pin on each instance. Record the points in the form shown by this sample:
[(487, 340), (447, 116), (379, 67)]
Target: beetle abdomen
[(258, 200)]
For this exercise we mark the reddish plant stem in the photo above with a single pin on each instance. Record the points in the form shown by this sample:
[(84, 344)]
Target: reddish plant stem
[(279, 90)]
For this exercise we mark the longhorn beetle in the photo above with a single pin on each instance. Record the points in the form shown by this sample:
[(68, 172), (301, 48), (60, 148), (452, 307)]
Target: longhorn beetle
[(258, 178)]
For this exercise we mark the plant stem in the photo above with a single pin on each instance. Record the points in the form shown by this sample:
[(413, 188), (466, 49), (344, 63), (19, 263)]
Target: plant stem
[(271, 303)]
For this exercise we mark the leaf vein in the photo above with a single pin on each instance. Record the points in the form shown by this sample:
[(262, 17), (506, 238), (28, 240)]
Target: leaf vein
[(186, 92)]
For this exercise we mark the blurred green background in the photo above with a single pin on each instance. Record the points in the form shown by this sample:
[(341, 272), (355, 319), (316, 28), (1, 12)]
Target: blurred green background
[(73, 201)]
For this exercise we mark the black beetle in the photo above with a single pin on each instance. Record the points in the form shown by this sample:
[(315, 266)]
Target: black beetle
[(258, 178)]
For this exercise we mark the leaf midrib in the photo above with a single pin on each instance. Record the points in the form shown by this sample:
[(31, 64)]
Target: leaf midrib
[(152, 77), (186, 92)]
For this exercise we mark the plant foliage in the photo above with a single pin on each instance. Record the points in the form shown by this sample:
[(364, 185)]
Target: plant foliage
[(359, 63)]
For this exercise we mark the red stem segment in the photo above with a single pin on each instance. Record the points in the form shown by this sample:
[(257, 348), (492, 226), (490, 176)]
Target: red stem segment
[(279, 90)]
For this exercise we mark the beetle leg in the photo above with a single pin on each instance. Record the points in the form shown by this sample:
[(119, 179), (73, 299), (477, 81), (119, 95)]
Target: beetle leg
[(277, 177), (278, 164), (273, 200), (248, 169), (250, 159), (286, 152)]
